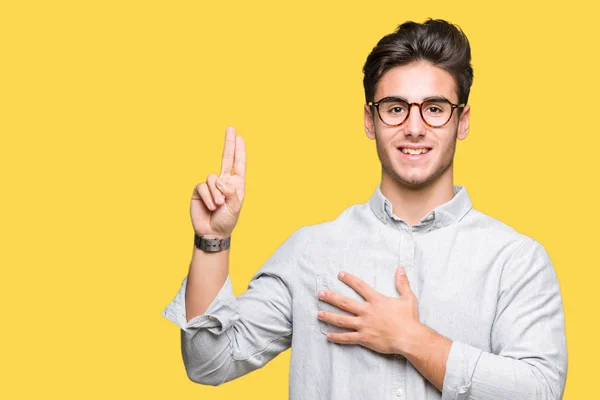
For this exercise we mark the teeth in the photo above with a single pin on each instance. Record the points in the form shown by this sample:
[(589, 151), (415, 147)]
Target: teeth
[(414, 151)]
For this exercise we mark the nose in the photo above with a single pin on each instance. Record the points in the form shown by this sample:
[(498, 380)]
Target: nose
[(415, 125)]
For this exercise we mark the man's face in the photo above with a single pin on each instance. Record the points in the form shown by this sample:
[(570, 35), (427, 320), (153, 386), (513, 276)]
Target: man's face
[(415, 82)]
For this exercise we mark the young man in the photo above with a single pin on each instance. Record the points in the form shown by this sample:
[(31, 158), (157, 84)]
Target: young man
[(413, 294)]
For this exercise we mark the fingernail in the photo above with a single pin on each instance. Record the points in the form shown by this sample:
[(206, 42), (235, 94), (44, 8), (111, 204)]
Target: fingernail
[(320, 315), (401, 270), (321, 294), (341, 275), (220, 199)]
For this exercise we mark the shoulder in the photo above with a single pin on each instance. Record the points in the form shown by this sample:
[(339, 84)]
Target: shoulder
[(519, 250), (491, 238), (483, 227), (311, 241), (350, 219), (356, 217)]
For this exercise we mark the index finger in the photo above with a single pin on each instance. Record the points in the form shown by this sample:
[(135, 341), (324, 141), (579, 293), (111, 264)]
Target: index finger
[(228, 151), (239, 164), (360, 286)]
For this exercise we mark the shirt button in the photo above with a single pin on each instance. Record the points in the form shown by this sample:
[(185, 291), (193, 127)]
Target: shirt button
[(438, 224), (211, 318), (399, 392), (430, 217)]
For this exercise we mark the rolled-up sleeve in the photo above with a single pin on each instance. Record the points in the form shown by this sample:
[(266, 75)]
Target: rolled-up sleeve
[(529, 352), (218, 317), (237, 335)]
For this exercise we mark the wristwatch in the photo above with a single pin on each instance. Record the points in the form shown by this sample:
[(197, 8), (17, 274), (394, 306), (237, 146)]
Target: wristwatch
[(211, 245)]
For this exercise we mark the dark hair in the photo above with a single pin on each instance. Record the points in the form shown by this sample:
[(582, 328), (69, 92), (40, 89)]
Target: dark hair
[(437, 41)]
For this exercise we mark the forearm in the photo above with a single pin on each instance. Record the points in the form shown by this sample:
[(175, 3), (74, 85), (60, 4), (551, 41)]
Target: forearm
[(206, 276), (428, 352), (480, 374), (484, 375), (220, 346)]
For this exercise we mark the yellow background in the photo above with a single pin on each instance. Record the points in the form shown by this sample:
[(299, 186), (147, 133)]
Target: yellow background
[(111, 112)]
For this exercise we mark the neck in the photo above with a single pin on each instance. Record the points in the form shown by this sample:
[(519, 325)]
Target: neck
[(413, 203)]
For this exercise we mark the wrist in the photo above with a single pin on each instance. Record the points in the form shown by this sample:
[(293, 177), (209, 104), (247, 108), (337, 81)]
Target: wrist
[(412, 344), (213, 235), (211, 245), (422, 341)]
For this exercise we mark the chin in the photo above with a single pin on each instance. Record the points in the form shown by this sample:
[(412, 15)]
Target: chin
[(415, 183), (413, 179), (408, 181)]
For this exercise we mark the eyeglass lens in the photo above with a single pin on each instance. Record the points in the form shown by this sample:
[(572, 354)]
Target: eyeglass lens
[(435, 112)]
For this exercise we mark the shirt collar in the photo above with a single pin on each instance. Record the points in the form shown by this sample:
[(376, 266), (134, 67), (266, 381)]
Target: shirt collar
[(443, 215)]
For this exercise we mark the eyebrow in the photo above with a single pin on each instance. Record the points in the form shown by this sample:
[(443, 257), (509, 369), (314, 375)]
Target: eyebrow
[(430, 98)]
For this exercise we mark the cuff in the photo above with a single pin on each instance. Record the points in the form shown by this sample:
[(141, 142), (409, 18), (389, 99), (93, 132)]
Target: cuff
[(219, 316), (460, 367)]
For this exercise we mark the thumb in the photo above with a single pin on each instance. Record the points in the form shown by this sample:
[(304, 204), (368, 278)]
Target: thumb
[(231, 196), (402, 283)]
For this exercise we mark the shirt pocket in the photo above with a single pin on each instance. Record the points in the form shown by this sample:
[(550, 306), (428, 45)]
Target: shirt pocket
[(331, 283)]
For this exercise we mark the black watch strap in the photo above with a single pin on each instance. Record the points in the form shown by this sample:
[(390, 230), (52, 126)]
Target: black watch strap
[(211, 245)]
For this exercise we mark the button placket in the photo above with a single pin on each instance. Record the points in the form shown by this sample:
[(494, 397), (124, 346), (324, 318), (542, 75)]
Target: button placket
[(407, 247), (398, 375)]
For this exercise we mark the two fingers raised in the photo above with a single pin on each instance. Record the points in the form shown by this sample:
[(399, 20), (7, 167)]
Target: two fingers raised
[(234, 155), (234, 160)]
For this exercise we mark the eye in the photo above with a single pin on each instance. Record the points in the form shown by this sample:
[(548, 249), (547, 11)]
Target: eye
[(394, 108), (436, 108)]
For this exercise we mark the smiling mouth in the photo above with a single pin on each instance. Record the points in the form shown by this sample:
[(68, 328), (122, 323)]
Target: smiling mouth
[(414, 152)]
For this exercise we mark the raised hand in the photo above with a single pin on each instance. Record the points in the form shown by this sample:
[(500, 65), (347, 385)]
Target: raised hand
[(216, 203)]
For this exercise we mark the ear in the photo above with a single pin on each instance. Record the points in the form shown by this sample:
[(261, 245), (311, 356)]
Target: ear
[(463, 123), (369, 123)]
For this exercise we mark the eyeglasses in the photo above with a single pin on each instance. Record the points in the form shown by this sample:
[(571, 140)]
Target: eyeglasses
[(435, 112)]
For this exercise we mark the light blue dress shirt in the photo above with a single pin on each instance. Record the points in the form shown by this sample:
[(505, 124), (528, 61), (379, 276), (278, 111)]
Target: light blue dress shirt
[(488, 288)]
